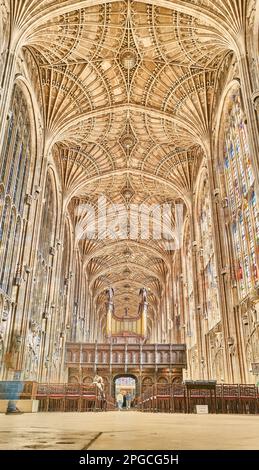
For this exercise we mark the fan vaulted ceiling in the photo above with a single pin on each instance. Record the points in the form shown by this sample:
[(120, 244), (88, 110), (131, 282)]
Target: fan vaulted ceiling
[(128, 91)]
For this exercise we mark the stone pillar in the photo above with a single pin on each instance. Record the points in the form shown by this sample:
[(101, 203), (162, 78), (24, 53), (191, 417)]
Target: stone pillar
[(198, 323), (68, 307), (55, 351), (182, 306)]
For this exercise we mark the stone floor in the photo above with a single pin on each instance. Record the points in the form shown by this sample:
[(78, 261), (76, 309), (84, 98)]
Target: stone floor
[(128, 431)]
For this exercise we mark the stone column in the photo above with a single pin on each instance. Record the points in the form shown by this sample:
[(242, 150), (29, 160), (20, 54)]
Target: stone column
[(53, 295), (69, 304), (198, 323)]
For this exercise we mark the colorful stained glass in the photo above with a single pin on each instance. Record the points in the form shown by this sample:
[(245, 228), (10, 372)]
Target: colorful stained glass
[(240, 179)]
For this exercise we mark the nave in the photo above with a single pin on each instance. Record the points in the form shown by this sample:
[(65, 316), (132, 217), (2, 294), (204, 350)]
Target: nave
[(129, 214)]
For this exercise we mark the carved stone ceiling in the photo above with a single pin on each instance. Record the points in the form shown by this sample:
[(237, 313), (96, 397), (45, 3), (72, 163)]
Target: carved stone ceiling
[(128, 90)]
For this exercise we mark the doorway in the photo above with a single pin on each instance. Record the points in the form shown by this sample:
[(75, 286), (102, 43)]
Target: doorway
[(127, 386)]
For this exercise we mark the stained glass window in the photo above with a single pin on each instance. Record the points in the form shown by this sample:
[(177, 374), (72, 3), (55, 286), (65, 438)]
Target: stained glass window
[(243, 205)]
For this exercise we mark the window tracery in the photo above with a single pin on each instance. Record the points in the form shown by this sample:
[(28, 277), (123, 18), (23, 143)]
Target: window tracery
[(14, 164), (4, 32), (242, 198)]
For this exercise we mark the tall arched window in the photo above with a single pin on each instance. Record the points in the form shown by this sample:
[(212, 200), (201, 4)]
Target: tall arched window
[(242, 199), (16, 147), (4, 32), (14, 167)]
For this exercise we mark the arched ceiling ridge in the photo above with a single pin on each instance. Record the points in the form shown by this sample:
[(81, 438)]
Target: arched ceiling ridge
[(187, 125), (175, 188), (121, 266), (109, 247), (29, 15)]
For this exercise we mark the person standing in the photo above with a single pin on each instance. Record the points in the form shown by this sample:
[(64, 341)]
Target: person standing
[(124, 404), (120, 400), (128, 400)]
